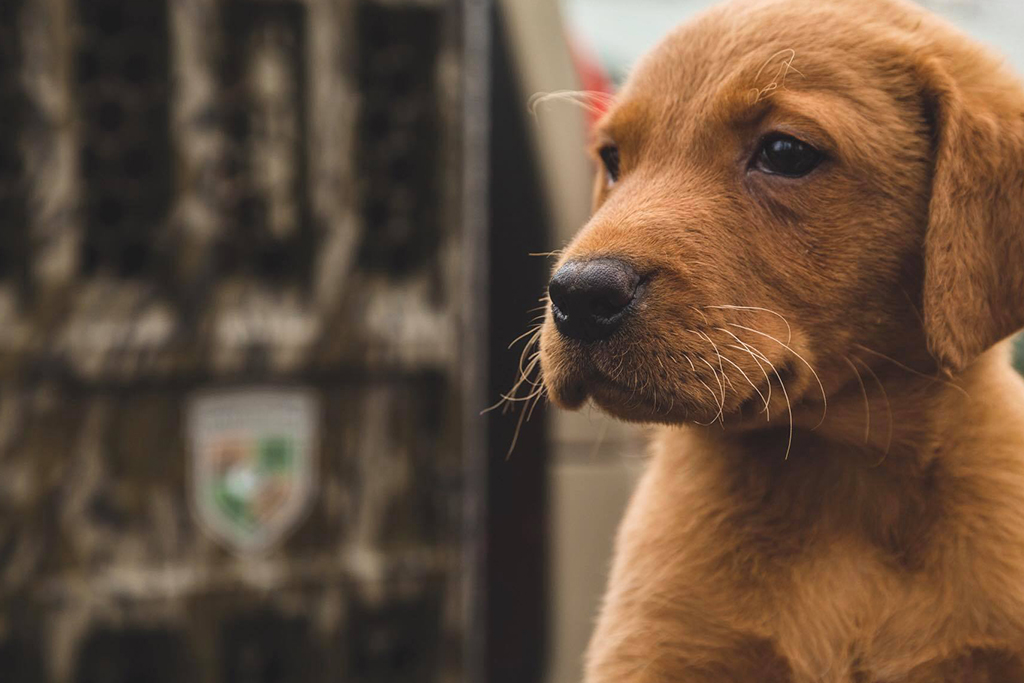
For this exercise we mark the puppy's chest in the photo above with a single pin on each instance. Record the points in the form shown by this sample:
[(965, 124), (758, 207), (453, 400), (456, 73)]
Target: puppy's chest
[(851, 618), (966, 666)]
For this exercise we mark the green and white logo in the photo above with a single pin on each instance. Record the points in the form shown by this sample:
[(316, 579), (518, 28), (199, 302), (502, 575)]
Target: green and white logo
[(253, 455)]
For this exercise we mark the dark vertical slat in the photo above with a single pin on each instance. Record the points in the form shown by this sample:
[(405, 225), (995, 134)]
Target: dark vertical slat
[(14, 230), (476, 317), (122, 87), (155, 655), (267, 647), (398, 136), (396, 639), (21, 658), (517, 517), (269, 234)]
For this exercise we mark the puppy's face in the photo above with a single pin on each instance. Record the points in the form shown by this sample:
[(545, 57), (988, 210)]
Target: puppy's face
[(761, 206)]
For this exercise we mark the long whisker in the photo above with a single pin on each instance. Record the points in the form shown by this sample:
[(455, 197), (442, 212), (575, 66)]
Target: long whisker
[(536, 401), (524, 335), (824, 398), (512, 395), (867, 403), (579, 97), (515, 435), (714, 396), (768, 381), (789, 329), (527, 364), (752, 386), (785, 394), (888, 407), (600, 439), (721, 406), (715, 347), (913, 371)]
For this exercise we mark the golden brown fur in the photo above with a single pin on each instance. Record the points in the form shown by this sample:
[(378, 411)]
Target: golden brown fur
[(885, 544)]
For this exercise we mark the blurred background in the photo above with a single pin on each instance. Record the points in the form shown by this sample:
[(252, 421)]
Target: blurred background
[(261, 262)]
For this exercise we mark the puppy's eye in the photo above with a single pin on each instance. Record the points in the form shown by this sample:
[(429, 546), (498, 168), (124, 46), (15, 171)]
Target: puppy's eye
[(610, 159), (786, 156)]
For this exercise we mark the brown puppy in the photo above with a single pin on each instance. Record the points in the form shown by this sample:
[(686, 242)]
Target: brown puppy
[(808, 239)]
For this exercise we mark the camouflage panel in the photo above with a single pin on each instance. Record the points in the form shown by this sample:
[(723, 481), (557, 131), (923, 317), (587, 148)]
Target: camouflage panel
[(211, 195)]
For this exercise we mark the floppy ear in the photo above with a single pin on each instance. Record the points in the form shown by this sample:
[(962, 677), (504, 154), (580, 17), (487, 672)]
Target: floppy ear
[(974, 244)]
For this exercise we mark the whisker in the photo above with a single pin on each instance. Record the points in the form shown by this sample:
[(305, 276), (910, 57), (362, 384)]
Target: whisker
[(768, 381), (578, 97), (789, 411), (539, 395), (532, 331), (714, 396), (715, 347), (913, 371), (824, 398), (867, 403), (789, 329), (600, 439), (888, 407), (789, 406), (515, 434), (752, 386), (721, 406)]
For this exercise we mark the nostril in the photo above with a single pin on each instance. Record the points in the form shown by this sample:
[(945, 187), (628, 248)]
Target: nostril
[(557, 292), (589, 297)]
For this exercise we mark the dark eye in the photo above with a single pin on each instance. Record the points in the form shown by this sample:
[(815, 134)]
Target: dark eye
[(610, 159), (786, 156)]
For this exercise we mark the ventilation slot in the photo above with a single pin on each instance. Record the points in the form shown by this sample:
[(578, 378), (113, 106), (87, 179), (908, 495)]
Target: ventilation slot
[(122, 79), (395, 639), (398, 133), (154, 655), (13, 213), (263, 78), (269, 648)]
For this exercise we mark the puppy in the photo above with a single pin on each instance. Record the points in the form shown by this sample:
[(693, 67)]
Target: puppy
[(806, 248)]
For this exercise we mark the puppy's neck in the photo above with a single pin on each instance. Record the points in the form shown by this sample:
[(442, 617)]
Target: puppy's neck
[(882, 482)]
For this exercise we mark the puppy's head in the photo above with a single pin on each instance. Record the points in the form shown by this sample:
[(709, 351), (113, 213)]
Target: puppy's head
[(787, 192)]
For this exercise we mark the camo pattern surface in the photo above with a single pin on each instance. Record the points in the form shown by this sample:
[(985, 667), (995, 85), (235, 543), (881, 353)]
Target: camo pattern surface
[(198, 194)]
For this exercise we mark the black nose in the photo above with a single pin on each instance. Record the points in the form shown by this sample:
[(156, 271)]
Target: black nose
[(589, 298)]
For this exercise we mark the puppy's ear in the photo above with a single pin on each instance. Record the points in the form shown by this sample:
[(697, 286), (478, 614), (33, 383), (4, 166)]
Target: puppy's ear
[(974, 244)]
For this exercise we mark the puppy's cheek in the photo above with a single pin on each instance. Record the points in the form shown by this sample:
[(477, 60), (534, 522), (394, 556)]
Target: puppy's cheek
[(562, 377)]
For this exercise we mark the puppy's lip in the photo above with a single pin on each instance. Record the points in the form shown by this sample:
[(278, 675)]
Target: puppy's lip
[(587, 380), (573, 394)]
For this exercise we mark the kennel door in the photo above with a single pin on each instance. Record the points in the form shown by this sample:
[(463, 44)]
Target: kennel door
[(232, 444)]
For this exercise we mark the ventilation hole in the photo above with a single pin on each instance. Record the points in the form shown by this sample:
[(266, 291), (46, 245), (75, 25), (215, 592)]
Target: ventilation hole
[(110, 116), (136, 163), (134, 260), (109, 212), (123, 75), (137, 69)]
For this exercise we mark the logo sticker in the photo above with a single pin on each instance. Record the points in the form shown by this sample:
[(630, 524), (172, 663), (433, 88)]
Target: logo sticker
[(253, 459)]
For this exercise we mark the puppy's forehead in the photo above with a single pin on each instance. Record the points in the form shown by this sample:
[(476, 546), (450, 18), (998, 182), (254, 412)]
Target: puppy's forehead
[(738, 54)]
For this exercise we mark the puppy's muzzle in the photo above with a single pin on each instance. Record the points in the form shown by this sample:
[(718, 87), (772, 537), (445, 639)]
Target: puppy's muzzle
[(589, 299)]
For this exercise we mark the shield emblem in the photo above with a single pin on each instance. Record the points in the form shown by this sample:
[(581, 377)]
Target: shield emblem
[(253, 456)]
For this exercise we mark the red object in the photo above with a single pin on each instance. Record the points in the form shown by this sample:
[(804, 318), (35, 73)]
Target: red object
[(592, 77)]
